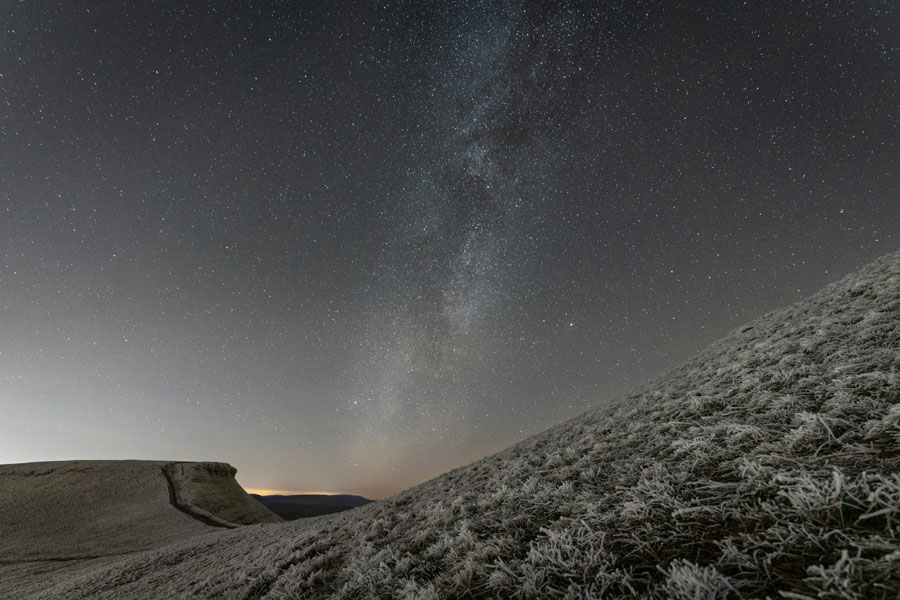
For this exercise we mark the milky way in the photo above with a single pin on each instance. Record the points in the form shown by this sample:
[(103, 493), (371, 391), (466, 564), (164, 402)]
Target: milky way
[(348, 246)]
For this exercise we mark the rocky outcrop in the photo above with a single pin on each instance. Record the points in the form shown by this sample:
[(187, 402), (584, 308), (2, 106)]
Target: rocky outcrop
[(208, 491)]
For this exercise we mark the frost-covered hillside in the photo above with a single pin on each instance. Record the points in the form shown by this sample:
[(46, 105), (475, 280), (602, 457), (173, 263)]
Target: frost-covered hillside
[(769, 465), (59, 518)]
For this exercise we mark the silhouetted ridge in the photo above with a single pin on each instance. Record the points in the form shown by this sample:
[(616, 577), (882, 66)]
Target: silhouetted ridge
[(299, 506)]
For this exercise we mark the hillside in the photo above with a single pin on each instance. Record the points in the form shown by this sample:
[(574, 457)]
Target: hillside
[(56, 515), (301, 506), (765, 466)]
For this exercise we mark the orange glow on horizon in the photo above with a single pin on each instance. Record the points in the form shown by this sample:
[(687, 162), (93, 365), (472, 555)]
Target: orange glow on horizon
[(284, 492)]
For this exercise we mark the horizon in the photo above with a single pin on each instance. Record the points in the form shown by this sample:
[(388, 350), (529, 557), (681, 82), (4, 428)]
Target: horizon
[(348, 246), (296, 493)]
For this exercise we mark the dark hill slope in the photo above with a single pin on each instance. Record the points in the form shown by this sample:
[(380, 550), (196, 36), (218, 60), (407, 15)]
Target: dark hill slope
[(769, 465), (301, 506)]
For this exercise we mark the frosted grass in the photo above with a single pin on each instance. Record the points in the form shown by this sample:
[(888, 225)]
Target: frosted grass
[(766, 467)]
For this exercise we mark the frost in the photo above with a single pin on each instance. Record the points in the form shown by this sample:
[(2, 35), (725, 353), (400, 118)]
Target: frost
[(767, 466)]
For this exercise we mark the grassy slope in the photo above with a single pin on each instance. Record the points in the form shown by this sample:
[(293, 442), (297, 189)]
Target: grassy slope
[(42, 504), (769, 465)]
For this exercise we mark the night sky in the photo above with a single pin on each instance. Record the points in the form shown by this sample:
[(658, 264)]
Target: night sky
[(348, 246)]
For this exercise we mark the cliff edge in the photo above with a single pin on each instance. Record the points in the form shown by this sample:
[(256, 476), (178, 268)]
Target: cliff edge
[(209, 491), (85, 509)]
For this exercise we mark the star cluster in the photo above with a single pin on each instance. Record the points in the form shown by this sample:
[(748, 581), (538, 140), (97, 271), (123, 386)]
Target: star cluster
[(346, 246)]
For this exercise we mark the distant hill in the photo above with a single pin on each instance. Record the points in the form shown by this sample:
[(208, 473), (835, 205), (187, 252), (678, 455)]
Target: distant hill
[(768, 466), (63, 513), (299, 506)]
